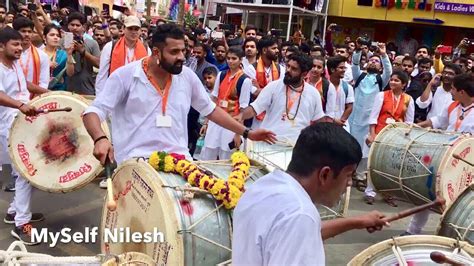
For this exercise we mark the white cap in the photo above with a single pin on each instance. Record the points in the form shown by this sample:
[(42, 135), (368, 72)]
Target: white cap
[(132, 21)]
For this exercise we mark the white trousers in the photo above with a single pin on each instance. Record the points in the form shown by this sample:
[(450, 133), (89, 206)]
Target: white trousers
[(418, 221), (369, 190), (213, 153), (21, 202)]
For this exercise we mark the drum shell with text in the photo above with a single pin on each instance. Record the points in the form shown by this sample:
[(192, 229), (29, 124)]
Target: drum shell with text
[(196, 232), (278, 156), (53, 151), (415, 250), (458, 220), (130, 258), (417, 164)]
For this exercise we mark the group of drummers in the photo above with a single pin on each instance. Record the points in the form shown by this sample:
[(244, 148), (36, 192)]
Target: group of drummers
[(330, 118)]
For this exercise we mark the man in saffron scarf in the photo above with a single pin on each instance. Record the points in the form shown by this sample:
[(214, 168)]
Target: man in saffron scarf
[(127, 49), (265, 70), (34, 62)]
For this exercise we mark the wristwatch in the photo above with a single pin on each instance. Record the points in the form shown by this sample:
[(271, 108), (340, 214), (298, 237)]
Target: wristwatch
[(246, 133)]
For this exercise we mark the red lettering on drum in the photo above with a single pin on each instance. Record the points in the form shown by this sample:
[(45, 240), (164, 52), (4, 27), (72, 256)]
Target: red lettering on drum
[(462, 154), (72, 175), (50, 105), (25, 159), (60, 142), (450, 191), (187, 207), (123, 193)]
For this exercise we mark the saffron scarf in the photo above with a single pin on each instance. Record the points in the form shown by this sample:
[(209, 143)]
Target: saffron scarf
[(119, 54)]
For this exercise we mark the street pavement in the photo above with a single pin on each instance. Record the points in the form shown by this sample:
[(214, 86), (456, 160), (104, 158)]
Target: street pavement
[(84, 208)]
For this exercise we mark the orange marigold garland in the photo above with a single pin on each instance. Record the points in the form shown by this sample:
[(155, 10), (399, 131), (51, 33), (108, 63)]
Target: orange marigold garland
[(228, 192)]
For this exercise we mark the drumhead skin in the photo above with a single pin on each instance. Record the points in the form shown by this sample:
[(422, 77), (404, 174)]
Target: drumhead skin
[(414, 249), (53, 151), (458, 220), (130, 258), (195, 233), (417, 164)]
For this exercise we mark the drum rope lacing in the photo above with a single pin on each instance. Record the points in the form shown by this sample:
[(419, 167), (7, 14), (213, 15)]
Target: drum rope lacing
[(458, 228), (398, 179), (262, 155), (200, 220), (12, 257)]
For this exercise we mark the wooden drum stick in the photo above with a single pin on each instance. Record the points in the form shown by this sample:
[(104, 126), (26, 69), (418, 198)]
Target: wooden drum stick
[(406, 213), (440, 258), (111, 204), (457, 156), (45, 111)]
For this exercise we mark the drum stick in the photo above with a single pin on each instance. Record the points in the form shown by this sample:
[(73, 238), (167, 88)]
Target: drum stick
[(440, 258), (406, 213), (45, 111), (111, 204), (457, 156)]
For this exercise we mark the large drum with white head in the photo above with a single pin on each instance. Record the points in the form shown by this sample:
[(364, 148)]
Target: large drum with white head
[(414, 250), (458, 220), (418, 164), (53, 151), (196, 231)]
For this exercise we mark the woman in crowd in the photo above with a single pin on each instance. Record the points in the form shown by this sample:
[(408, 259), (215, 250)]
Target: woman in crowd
[(58, 57)]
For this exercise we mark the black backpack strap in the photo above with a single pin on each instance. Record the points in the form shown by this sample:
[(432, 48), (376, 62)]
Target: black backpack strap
[(379, 82), (222, 76), (325, 93), (114, 42), (359, 79)]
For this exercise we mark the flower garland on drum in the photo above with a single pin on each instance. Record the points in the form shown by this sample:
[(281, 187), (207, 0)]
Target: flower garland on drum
[(228, 192)]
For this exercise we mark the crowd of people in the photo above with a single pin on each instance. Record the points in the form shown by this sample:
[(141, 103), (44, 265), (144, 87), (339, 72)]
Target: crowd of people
[(165, 86)]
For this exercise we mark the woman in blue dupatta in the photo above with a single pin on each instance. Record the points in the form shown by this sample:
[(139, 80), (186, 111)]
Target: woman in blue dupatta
[(57, 56)]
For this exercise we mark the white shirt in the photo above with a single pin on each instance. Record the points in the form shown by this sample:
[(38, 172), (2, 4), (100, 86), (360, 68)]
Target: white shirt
[(276, 223), (378, 103), (440, 101), (217, 136), (273, 100), (337, 100), (252, 73), (348, 74), (416, 71), (13, 84), (105, 65), (445, 120), (27, 62), (135, 105)]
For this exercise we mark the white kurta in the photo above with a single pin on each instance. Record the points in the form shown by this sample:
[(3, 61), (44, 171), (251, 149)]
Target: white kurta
[(135, 105), (448, 121), (440, 101), (28, 63), (276, 223), (378, 103), (105, 65), (218, 137), (336, 101), (273, 100)]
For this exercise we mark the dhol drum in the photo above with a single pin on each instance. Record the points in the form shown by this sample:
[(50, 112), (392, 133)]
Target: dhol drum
[(130, 258), (418, 164), (414, 250), (276, 156), (53, 151), (196, 231), (458, 220)]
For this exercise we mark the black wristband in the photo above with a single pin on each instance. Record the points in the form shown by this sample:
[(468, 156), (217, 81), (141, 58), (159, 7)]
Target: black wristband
[(21, 105), (246, 133), (100, 138)]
